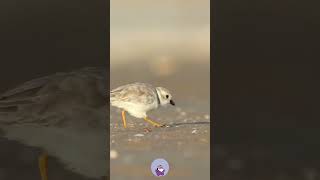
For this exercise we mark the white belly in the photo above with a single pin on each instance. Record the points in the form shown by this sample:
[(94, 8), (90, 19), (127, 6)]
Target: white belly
[(136, 110)]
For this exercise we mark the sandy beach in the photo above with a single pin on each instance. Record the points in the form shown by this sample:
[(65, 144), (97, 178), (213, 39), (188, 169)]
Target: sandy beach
[(185, 144)]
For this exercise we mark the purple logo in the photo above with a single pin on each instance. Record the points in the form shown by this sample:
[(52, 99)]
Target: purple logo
[(159, 167)]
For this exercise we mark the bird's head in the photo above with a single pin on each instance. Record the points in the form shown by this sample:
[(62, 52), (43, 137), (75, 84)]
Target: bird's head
[(164, 96)]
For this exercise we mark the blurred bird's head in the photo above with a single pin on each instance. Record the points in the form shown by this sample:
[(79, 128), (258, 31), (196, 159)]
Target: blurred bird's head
[(164, 96)]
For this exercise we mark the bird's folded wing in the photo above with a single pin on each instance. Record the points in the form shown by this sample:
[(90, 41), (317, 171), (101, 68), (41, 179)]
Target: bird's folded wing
[(26, 88), (138, 94)]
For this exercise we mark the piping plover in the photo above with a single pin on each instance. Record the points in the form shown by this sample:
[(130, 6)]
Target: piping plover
[(64, 114), (139, 98)]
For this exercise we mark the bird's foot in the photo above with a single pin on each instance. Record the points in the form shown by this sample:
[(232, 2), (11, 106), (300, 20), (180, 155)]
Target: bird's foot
[(155, 124), (161, 125)]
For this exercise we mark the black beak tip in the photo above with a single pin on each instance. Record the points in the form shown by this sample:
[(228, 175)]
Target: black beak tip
[(172, 103)]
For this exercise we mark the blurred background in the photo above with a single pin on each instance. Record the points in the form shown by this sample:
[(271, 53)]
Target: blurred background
[(39, 38), (168, 30), (161, 42)]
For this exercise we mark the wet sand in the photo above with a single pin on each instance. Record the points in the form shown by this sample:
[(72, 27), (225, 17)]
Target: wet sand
[(185, 144)]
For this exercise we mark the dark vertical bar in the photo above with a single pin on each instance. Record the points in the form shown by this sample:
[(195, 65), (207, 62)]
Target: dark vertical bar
[(266, 96), (43, 38), (108, 89)]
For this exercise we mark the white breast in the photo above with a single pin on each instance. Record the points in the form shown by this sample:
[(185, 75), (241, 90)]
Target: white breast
[(136, 110)]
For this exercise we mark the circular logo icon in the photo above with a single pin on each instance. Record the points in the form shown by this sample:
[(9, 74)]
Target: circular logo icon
[(159, 167)]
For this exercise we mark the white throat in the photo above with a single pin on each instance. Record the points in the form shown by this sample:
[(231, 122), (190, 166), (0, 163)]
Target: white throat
[(158, 97)]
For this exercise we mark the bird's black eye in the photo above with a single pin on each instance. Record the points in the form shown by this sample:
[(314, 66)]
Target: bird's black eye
[(167, 96)]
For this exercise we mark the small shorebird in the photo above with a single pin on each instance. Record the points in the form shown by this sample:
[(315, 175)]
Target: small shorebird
[(139, 98), (65, 114)]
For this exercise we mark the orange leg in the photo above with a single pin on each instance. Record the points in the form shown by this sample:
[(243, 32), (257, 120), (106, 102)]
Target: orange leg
[(43, 165), (124, 119), (153, 122)]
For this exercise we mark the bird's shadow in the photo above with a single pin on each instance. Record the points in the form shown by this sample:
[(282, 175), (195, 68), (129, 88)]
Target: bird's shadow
[(188, 123)]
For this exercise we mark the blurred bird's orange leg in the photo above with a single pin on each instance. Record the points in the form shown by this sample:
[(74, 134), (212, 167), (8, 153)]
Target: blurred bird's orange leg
[(124, 119), (43, 165), (152, 122)]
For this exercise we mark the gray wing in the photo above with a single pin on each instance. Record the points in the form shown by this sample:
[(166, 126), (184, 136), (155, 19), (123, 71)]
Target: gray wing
[(26, 87), (25, 95), (22, 95), (138, 93), (53, 99)]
